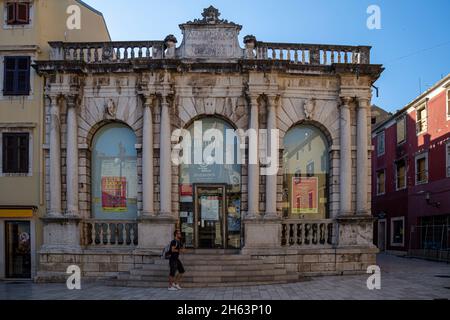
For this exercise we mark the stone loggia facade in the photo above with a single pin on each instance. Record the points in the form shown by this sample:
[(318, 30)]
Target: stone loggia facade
[(156, 87)]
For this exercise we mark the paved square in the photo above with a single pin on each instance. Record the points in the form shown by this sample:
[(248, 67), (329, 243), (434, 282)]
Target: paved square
[(401, 278)]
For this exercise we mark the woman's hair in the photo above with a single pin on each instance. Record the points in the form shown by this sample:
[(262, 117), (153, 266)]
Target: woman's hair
[(175, 232)]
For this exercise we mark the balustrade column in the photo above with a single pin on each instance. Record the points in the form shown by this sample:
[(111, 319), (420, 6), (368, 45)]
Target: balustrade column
[(165, 175), (253, 161), (271, 180), (345, 157), (55, 157), (362, 157), (147, 160), (72, 156)]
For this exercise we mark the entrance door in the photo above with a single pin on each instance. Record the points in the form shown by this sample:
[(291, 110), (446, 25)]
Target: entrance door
[(382, 235), (18, 249), (210, 220)]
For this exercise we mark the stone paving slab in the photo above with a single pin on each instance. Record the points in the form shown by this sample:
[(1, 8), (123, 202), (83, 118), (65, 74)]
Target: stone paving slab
[(401, 278)]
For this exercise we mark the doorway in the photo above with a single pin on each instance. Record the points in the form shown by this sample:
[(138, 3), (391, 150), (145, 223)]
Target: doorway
[(382, 235), (18, 249), (210, 223)]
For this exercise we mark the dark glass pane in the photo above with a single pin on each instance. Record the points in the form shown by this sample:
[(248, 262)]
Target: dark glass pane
[(11, 8)]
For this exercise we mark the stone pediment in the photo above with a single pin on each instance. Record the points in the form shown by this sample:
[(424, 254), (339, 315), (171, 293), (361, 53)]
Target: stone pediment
[(210, 38)]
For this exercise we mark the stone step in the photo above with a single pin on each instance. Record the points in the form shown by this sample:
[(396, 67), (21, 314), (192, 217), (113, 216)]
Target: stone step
[(164, 284), (216, 262), (231, 267), (200, 273)]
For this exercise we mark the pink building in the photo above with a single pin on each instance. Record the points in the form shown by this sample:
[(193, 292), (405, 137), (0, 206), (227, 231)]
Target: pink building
[(411, 176)]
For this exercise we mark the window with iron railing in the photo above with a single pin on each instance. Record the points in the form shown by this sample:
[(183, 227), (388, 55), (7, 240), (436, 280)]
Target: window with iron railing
[(380, 144)]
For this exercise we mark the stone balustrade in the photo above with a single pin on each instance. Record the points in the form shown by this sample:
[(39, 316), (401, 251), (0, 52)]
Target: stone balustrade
[(109, 233), (103, 52), (307, 54), (307, 233), (312, 54)]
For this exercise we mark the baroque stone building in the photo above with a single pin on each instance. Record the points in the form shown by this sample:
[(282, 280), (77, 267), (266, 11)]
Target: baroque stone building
[(114, 196)]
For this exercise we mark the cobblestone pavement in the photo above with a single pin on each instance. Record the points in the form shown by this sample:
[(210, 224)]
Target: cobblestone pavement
[(401, 278)]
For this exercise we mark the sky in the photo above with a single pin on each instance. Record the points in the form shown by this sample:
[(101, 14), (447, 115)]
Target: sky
[(413, 43)]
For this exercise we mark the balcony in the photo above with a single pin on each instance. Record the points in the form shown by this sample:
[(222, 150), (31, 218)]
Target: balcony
[(300, 233), (106, 233)]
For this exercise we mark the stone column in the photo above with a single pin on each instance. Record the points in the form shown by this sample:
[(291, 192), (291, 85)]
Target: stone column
[(72, 157), (271, 180), (345, 158), (253, 169), (165, 167), (147, 160), (55, 157), (362, 157)]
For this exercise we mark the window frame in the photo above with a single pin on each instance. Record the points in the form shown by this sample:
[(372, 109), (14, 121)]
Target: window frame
[(423, 122), (16, 21), (419, 157), (402, 118), (17, 170), (16, 76), (378, 184), (397, 188), (381, 134), (447, 158), (448, 104), (395, 219)]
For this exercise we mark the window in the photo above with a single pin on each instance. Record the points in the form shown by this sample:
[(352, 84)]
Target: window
[(380, 143), (18, 13), (15, 151), (16, 76), (421, 119), (305, 181), (401, 130), (422, 169), (114, 173), (400, 174), (448, 104), (381, 182), (398, 232), (447, 147)]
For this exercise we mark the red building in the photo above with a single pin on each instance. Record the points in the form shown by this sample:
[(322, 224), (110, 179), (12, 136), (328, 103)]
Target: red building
[(411, 176)]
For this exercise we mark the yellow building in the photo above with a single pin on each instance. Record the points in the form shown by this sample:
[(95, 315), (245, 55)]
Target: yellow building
[(26, 27)]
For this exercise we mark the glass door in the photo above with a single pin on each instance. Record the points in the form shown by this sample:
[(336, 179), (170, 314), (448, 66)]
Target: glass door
[(210, 221), (18, 249)]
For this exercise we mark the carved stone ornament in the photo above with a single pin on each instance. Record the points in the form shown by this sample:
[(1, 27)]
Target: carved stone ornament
[(309, 108), (110, 109)]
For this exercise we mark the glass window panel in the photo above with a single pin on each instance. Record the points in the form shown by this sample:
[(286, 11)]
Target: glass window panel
[(305, 183), (114, 173)]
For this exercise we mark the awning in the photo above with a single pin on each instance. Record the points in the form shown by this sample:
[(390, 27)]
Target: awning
[(16, 212)]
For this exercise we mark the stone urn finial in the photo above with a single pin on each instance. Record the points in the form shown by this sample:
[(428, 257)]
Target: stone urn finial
[(250, 44), (170, 42)]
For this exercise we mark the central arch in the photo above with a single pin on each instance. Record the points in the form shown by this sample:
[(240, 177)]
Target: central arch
[(210, 194)]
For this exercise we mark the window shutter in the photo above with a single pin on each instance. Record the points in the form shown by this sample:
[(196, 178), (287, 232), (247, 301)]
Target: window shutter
[(17, 76), (8, 79), (11, 12), (23, 144), (23, 13), (23, 75)]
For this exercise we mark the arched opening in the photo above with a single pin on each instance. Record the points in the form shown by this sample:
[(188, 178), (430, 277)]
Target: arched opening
[(210, 193), (306, 173), (114, 179)]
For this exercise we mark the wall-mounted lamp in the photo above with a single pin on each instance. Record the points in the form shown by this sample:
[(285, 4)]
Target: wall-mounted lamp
[(433, 204)]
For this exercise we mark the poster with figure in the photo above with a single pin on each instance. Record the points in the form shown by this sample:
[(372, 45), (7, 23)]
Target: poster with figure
[(209, 208), (304, 198), (114, 195)]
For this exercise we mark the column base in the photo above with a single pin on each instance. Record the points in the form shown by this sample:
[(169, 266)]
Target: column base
[(271, 216), (252, 216)]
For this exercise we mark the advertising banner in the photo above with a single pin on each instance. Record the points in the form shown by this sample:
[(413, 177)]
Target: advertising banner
[(114, 195), (304, 195)]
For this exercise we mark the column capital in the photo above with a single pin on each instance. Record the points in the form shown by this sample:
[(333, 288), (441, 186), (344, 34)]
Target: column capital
[(73, 100), (149, 100), (345, 102), (54, 97), (363, 102), (273, 100)]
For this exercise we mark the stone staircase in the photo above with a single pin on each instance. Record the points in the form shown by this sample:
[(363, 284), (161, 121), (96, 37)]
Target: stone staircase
[(210, 270)]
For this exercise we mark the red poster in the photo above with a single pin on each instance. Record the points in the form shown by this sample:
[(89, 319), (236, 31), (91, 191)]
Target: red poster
[(305, 195), (186, 190), (114, 194)]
